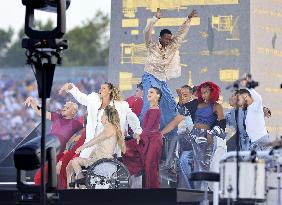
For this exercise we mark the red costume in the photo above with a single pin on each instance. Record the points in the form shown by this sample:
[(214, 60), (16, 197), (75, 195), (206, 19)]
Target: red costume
[(136, 104), (69, 155), (147, 154), (132, 158), (151, 142), (63, 129)]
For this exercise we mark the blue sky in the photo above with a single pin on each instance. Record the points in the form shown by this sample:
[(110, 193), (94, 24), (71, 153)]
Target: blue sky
[(12, 12)]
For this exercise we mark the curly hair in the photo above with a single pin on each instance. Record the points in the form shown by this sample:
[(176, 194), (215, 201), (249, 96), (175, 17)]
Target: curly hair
[(115, 92), (214, 89), (113, 118)]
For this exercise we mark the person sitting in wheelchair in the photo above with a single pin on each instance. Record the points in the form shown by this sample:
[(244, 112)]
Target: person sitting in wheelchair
[(105, 144)]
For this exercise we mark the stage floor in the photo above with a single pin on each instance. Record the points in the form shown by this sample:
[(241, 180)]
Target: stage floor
[(118, 196)]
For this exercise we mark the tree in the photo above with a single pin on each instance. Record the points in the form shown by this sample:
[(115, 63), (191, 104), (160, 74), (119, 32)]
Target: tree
[(88, 44), (5, 40), (15, 55)]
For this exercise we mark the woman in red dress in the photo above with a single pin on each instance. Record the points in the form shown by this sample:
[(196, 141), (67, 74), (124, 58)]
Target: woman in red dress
[(68, 155), (151, 140)]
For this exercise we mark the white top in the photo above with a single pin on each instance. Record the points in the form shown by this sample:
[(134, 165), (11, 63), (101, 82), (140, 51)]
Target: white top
[(93, 103), (255, 123), (100, 126), (164, 63)]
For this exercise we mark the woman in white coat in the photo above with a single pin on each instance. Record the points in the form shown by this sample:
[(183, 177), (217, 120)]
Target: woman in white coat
[(96, 102)]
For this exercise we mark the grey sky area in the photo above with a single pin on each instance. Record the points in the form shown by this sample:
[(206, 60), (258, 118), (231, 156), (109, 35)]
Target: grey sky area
[(12, 12)]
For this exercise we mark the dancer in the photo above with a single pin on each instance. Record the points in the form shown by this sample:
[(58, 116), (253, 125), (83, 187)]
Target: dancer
[(231, 120), (184, 120), (76, 141), (208, 116), (163, 63), (151, 140), (251, 102), (106, 142), (187, 104), (135, 101), (108, 95), (230, 116), (132, 158), (64, 125)]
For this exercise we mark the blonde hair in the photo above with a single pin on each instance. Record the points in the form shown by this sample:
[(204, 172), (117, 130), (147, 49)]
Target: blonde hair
[(113, 118), (115, 92)]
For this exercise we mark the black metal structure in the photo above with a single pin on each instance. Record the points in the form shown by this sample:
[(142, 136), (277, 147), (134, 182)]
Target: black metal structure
[(43, 51)]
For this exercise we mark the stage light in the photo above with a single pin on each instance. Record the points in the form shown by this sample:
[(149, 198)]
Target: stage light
[(27, 156), (44, 5), (57, 6)]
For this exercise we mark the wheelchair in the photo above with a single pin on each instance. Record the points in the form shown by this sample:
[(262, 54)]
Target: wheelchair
[(103, 174)]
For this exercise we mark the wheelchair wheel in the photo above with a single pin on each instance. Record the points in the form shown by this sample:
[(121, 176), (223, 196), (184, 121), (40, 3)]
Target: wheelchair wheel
[(107, 174)]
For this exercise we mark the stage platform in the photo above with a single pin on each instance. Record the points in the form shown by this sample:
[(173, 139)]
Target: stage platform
[(164, 196), (105, 197)]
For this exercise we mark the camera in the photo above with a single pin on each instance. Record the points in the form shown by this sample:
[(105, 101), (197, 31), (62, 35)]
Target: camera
[(246, 81), (252, 84)]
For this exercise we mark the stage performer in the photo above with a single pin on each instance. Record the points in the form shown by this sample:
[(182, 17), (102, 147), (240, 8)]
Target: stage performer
[(131, 158), (96, 103), (135, 101), (76, 141), (186, 115), (151, 140), (251, 102), (209, 118), (106, 142), (163, 63), (209, 113), (64, 125), (236, 117)]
